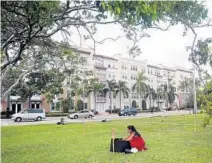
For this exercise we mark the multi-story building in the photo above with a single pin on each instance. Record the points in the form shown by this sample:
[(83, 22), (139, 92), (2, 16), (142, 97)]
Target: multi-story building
[(183, 74), (128, 71), (114, 68)]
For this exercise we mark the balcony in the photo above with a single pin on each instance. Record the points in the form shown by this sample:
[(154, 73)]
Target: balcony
[(100, 66), (171, 77), (101, 99)]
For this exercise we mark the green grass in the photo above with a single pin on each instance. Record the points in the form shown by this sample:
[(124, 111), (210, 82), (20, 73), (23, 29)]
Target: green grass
[(169, 139)]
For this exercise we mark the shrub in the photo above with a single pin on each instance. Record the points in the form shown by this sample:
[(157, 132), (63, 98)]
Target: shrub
[(182, 108), (113, 111), (152, 109), (139, 110), (56, 114)]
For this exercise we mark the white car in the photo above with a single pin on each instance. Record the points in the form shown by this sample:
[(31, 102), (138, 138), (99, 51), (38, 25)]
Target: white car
[(81, 114), (29, 114)]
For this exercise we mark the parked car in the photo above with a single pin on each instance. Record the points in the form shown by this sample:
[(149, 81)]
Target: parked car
[(128, 112), (94, 111), (29, 114), (81, 114)]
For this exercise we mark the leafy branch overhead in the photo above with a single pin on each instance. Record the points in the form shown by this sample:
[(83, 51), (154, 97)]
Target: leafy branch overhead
[(27, 46), (28, 23)]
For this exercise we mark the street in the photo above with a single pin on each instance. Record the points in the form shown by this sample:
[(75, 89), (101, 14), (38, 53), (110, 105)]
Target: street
[(54, 120)]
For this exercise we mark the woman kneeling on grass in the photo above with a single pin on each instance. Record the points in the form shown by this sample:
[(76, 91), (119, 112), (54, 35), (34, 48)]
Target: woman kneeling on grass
[(137, 143)]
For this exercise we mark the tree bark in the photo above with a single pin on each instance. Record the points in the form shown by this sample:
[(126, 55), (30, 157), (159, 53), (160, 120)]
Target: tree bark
[(120, 99), (111, 107), (94, 100), (140, 106), (29, 99), (8, 101), (150, 102)]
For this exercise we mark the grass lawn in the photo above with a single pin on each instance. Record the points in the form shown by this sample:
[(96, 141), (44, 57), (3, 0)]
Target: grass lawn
[(169, 139)]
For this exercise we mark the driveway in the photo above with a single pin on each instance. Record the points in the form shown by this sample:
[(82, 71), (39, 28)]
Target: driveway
[(54, 120)]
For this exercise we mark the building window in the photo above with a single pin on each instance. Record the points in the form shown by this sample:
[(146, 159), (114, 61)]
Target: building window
[(126, 106), (114, 66), (134, 68), (35, 105), (108, 65), (133, 77), (113, 76), (124, 67)]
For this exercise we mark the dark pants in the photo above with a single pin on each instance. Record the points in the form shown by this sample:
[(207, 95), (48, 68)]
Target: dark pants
[(119, 145)]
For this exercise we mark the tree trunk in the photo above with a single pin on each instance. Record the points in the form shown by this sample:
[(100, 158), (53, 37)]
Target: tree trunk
[(120, 99), (130, 95), (140, 102), (150, 102), (111, 101), (8, 101), (153, 103), (89, 102), (29, 102), (94, 100)]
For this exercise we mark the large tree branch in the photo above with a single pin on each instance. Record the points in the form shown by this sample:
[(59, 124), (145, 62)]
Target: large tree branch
[(18, 80)]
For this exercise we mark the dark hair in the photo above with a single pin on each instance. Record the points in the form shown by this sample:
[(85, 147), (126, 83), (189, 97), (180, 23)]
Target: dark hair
[(133, 129)]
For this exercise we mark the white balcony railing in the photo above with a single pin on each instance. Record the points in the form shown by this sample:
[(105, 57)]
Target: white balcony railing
[(101, 99)]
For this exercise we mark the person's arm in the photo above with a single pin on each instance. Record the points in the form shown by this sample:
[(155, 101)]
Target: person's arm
[(125, 138), (129, 138)]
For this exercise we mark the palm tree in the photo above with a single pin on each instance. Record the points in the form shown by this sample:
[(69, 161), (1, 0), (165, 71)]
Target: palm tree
[(140, 86), (122, 88), (151, 93), (186, 85), (169, 93), (160, 95), (111, 86), (95, 87)]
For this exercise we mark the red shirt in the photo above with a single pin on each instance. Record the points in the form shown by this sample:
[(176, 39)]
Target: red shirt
[(138, 143)]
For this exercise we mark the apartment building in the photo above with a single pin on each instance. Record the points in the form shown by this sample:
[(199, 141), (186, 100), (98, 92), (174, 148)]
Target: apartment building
[(128, 71), (114, 68)]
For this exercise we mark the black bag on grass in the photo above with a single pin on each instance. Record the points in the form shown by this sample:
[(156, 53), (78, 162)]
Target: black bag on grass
[(119, 145)]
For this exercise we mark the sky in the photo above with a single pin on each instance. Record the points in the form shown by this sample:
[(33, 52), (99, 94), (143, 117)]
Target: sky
[(167, 48)]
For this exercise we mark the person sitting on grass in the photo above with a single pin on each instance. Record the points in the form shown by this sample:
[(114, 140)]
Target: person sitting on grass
[(137, 143)]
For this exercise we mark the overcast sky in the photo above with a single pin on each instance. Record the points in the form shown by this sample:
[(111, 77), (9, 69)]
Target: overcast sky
[(166, 48)]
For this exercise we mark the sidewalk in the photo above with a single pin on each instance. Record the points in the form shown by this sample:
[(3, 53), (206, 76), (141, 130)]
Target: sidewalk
[(97, 118)]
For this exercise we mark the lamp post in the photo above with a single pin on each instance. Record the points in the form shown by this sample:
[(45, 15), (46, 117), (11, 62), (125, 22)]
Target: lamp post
[(68, 85), (83, 87), (194, 91)]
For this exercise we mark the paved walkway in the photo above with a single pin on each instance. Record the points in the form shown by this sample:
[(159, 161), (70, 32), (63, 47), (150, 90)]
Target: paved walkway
[(54, 120)]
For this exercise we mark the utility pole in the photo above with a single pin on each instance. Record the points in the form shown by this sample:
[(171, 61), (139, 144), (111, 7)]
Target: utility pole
[(83, 90), (194, 91)]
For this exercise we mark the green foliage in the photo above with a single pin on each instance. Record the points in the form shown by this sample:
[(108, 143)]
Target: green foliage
[(151, 93), (67, 104), (202, 54), (204, 98), (11, 75), (45, 82), (140, 85), (169, 93), (79, 105), (94, 86), (146, 13)]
